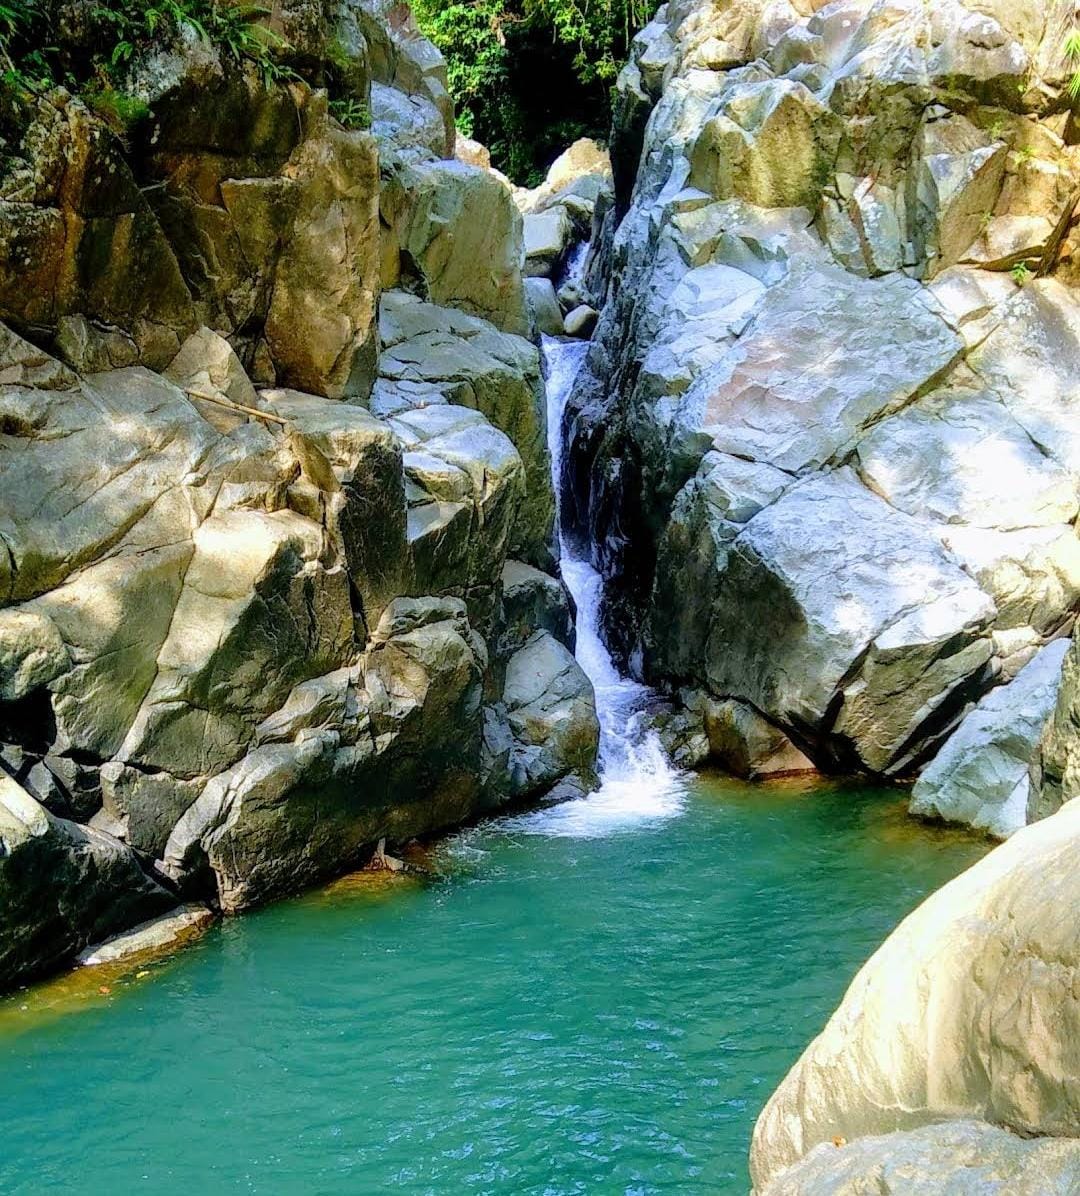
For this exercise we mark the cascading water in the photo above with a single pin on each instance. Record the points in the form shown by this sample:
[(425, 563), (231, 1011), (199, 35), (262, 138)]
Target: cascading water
[(637, 781)]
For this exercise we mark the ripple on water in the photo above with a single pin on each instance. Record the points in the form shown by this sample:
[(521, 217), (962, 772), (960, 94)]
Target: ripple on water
[(552, 1014)]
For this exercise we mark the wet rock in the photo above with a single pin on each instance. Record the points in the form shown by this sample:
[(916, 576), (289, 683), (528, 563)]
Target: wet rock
[(581, 321), (544, 307), (159, 935), (551, 712)]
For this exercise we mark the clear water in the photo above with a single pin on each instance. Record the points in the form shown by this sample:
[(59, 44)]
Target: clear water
[(594, 998), (558, 1014)]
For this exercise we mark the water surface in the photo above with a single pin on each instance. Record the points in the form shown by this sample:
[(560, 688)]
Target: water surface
[(598, 1010)]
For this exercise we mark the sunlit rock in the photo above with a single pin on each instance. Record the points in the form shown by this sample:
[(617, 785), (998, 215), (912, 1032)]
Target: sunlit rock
[(980, 777), (969, 1009)]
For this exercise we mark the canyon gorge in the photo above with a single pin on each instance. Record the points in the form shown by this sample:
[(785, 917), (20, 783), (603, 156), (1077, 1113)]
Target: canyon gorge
[(351, 494)]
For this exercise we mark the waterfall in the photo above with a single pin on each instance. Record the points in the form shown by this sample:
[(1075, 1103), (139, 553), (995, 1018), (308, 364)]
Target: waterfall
[(637, 781)]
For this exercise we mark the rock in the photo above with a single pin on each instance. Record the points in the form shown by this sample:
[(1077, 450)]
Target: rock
[(547, 238), (1055, 771), (409, 126), (769, 144), (85, 240), (551, 712), (61, 886), (24, 364), (957, 180), (544, 307), (328, 269), (207, 365), (744, 743), (291, 813), (980, 777), (258, 613), (166, 933), (581, 321), (32, 652), (351, 481), (954, 1158), (83, 467), (456, 229), (582, 170), (967, 1010), (856, 634), (472, 153), (533, 601), (465, 361), (400, 57)]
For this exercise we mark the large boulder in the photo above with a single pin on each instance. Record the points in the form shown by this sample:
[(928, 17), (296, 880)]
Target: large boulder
[(454, 235), (551, 711), (382, 752), (969, 1009)]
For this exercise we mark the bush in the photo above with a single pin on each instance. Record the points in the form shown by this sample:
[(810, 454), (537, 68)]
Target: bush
[(530, 76)]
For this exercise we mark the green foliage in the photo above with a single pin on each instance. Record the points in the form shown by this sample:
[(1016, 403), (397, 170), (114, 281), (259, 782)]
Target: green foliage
[(351, 113), (122, 29), (1072, 55), (117, 109), (1021, 273), (529, 76)]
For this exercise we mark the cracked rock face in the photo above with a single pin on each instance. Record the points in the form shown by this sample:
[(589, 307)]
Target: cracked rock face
[(824, 442), (278, 576)]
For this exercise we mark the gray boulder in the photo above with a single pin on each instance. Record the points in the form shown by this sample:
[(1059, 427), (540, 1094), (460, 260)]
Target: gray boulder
[(551, 712), (544, 306), (966, 1011), (980, 777)]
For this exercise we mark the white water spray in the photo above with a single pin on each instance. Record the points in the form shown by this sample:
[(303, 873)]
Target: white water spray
[(637, 781)]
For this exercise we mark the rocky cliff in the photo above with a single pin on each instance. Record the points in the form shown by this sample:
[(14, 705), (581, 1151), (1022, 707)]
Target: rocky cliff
[(278, 574), (827, 447), (827, 439)]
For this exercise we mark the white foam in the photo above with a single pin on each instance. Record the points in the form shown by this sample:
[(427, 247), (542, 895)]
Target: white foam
[(638, 784)]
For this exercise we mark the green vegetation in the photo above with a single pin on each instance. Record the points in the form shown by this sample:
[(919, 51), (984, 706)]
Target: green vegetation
[(120, 30), (351, 113), (1072, 56), (1021, 273), (529, 76)]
